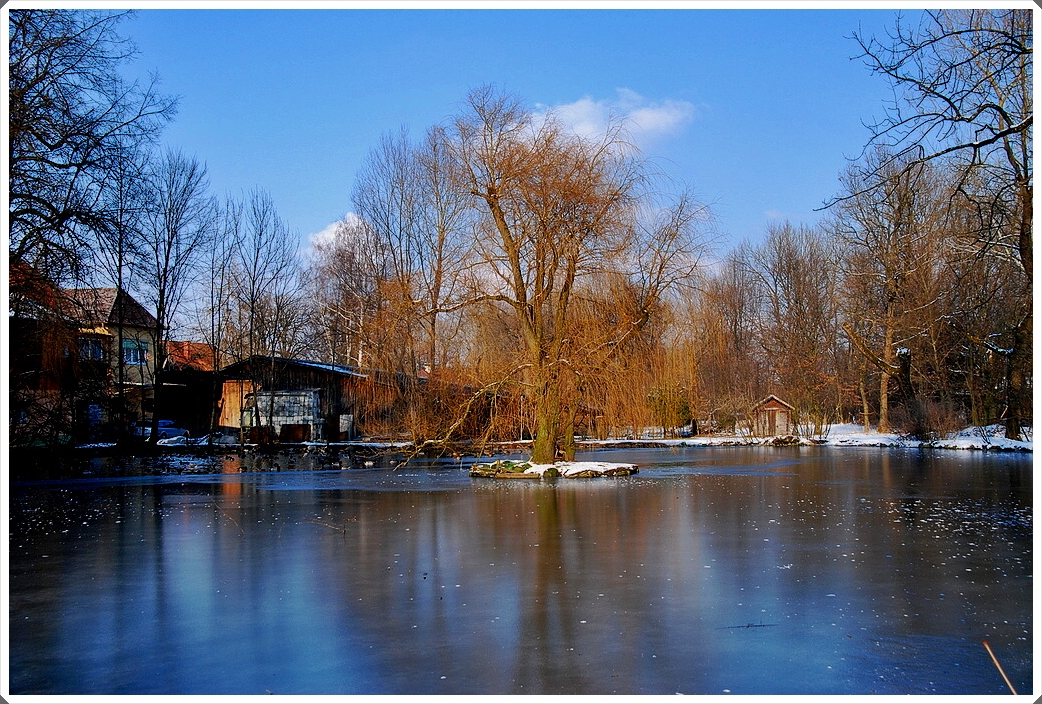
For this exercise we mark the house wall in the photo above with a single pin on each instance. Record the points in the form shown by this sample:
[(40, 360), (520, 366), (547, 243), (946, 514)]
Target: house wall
[(135, 372), (233, 399)]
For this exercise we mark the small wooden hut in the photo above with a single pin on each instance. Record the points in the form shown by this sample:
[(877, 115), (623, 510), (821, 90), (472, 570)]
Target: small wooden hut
[(294, 400), (772, 417)]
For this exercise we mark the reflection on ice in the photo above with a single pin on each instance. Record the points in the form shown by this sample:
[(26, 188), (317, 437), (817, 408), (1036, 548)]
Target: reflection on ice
[(754, 570)]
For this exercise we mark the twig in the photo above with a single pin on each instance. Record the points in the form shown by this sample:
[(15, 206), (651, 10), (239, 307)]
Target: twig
[(225, 513), (997, 665)]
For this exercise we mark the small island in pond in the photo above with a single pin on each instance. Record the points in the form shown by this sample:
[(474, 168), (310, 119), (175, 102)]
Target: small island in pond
[(508, 469)]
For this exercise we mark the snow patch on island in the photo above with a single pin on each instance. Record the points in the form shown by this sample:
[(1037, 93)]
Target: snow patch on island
[(507, 469)]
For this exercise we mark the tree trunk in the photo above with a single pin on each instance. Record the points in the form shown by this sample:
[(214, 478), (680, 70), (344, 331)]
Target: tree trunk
[(547, 419), (864, 404), (157, 363), (569, 433), (1016, 379), (912, 404)]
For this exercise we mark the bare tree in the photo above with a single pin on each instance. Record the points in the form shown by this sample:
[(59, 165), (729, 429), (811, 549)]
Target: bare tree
[(72, 120), (267, 308), (557, 208), (127, 201), (963, 84), (181, 222), (443, 227), (732, 371), (344, 276), (890, 231), (264, 263), (213, 293), (798, 321), (406, 195)]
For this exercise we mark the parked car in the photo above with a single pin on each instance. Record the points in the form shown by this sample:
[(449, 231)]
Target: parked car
[(167, 429)]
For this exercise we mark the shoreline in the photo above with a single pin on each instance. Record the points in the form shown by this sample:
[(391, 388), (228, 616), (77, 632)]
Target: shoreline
[(985, 440)]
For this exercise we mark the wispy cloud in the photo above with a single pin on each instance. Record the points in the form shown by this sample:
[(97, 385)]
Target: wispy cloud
[(646, 120)]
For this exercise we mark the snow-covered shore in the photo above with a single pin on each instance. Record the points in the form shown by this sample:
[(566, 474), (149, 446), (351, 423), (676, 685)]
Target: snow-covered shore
[(988, 439), (848, 435), (991, 439)]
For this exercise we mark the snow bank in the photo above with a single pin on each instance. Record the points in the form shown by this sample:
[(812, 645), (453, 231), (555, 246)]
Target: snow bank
[(849, 435)]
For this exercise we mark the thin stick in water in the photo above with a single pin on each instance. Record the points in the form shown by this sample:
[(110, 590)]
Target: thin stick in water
[(1001, 671)]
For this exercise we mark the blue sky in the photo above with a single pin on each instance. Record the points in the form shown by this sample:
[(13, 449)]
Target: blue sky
[(753, 110)]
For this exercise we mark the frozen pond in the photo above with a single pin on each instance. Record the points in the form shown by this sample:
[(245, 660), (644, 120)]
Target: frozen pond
[(712, 571)]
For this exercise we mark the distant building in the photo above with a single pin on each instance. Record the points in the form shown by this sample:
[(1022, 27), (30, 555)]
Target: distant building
[(268, 399), (772, 417)]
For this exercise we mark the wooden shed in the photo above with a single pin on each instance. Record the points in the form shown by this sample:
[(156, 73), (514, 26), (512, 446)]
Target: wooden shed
[(296, 399), (772, 417)]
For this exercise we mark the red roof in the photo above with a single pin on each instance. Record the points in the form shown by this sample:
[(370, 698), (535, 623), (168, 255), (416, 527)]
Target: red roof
[(190, 355), (777, 401)]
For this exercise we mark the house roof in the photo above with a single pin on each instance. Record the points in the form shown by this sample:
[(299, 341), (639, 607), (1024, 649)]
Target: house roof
[(190, 355), (774, 398), (106, 306)]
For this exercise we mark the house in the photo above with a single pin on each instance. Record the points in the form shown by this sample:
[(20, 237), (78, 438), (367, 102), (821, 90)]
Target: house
[(116, 351), (190, 386), (265, 398), (772, 417), (81, 363), (41, 360)]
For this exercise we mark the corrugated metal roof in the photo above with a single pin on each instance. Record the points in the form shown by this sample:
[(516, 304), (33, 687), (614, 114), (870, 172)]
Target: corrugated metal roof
[(310, 364), (325, 366)]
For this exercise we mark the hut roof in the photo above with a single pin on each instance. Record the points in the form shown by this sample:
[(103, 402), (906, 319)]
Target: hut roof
[(775, 399), (338, 369)]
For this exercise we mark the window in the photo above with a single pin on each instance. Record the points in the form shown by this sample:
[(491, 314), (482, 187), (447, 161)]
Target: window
[(91, 349), (135, 351)]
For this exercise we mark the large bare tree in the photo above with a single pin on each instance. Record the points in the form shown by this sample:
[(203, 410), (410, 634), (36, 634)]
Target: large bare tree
[(557, 208), (180, 222), (887, 231), (798, 322)]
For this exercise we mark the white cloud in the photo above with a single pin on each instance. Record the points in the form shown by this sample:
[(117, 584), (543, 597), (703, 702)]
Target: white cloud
[(647, 121), (326, 235), (329, 233)]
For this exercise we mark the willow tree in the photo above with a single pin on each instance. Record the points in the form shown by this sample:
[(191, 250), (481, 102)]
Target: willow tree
[(556, 209)]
